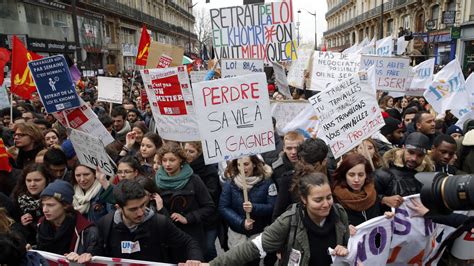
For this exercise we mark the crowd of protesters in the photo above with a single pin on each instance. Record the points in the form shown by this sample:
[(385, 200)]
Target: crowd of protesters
[(164, 204)]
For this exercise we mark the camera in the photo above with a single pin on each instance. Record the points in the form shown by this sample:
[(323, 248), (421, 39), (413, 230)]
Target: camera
[(443, 194)]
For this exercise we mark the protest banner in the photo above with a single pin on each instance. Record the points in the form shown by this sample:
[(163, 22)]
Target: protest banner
[(197, 76), (285, 112), (384, 47), (281, 81), (234, 67), (54, 83), (448, 91), (159, 50), (470, 90), (4, 101), (261, 31), (55, 259), (297, 69), (84, 119), (91, 152), (368, 47), (348, 112), (234, 118), (110, 89), (422, 76), (171, 101), (401, 45), (390, 73), (331, 67)]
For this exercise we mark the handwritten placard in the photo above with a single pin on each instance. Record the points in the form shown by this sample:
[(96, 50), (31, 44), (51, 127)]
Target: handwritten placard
[(234, 118), (233, 67), (297, 69), (348, 113), (197, 76), (261, 31), (281, 81), (331, 67), (110, 89), (390, 73)]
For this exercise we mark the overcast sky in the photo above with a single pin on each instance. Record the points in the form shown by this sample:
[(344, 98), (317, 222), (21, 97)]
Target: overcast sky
[(307, 20)]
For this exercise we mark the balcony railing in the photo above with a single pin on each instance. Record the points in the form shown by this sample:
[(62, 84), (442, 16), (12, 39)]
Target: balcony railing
[(374, 12), (336, 8)]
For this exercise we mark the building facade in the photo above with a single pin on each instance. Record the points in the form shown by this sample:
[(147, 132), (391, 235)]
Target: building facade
[(429, 21), (106, 34), (466, 42)]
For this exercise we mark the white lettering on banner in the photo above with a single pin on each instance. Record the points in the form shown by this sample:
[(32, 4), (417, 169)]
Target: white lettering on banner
[(281, 81), (390, 73), (298, 67), (348, 112), (91, 152), (233, 67), (448, 91), (401, 240), (422, 78), (234, 118), (384, 47), (110, 89), (330, 67), (129, 247), (171, 101), (261, 31)]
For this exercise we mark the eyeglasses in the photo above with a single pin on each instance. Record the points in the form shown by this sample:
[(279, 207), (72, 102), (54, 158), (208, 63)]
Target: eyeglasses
[(19, 135), (124, 172)]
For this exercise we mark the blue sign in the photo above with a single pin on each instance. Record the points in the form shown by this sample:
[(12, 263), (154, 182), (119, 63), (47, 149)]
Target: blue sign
[(54, 83)]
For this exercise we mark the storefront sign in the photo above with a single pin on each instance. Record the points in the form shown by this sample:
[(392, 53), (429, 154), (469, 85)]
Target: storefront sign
[(52, 46), (449, 17), (455, 32)]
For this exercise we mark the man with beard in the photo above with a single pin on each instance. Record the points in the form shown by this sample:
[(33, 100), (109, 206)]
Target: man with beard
[(390, 135), (397, 180)]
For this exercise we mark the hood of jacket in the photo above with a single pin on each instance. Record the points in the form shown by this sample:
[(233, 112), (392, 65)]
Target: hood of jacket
[(395, 157)]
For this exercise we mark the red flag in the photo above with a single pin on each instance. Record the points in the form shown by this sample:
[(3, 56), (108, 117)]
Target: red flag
[(4, 163), (22, 81), (145, 42), (4, 58)]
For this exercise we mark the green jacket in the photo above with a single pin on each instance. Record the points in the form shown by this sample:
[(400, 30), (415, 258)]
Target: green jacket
[(275, 238)]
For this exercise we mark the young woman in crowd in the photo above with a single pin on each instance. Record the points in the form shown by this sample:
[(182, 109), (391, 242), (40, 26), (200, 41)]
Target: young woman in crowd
[(63, 230), (184, 194), (149, 146), (353, 187), (372, 149), (248, 173), (29, 141), (320, 224), (127, 168), (386, 102), (134, 139), (33, 180), (210, 176), (51, 138), (89, 192)]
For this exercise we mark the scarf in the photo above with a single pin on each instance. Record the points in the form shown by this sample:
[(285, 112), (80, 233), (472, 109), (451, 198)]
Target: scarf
[(30, 205), (164, 181), (56, 240), (356, 200), (249, 181), (81, 201)]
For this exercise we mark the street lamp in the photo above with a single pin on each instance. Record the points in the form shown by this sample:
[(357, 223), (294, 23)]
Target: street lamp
[(315, 27)]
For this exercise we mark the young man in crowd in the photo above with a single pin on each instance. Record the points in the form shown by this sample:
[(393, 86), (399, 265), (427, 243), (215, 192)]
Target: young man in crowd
[(288, 157), (424, 122), (442, 153), (408, 116), (55, 161), (120, 124), (390, 135), (133, 231)]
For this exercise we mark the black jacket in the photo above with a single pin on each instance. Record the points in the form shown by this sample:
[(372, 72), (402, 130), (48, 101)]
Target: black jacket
[(270, 157), (210, 176), (280, 167), (396, 179), (151, 235), (285, 197), (358, 217)]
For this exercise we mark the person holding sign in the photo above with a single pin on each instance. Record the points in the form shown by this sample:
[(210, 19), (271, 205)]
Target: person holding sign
[(184, 194), (89, 186), (247, 199), (304, 232), (353, 187)]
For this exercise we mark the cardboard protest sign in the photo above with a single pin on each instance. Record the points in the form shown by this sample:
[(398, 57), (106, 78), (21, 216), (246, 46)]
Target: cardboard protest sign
[(110, 89), (234, 67), (298, 67), (261, 31), (167, 51), (4, 99), (448, 91), (84, 119), (197, 76), (390, 73), (281, 81), (331, 67), (349, 113), (422, 78), (234, 118), (91, 152), (171, 101), (54, 83), (285, 111)]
